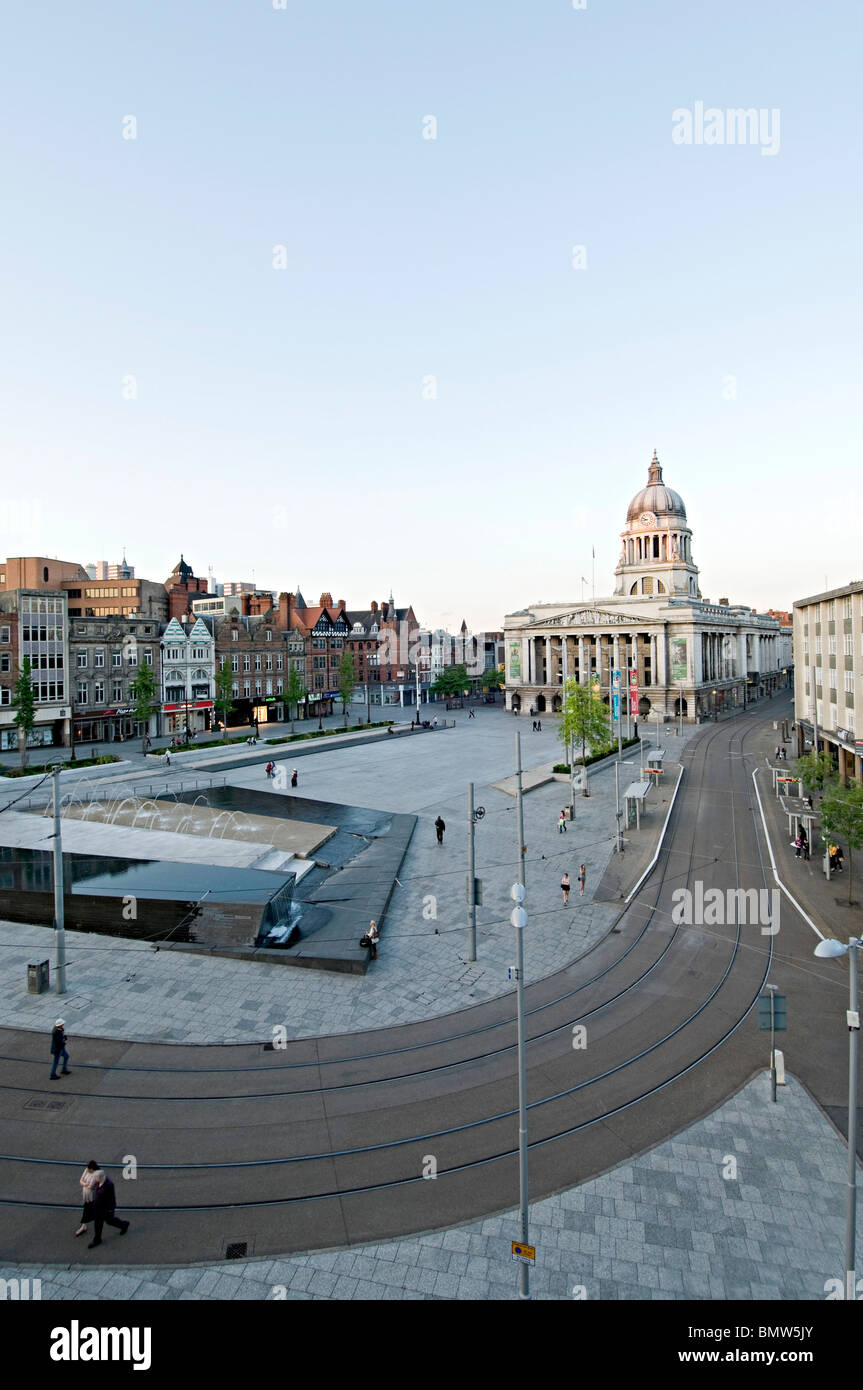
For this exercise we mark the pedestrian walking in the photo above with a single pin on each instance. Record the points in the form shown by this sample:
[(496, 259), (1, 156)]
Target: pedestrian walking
[(374, 938), (533, 727), (565, 887), (798, 846), (561, 823), (539, 726), (440, 827), (776, 753), (294, 778), (434, 722), (167, 758), (58, 1048), (87, 1182), (582, 879), (105, 1208)]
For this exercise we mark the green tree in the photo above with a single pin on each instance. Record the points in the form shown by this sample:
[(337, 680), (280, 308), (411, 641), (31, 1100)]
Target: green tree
[(494, 679), (295, 691), (24, 704), (842, 817), (347, 681), (143, 692), (452, 680), (583, 719), (815, 770), (224, 693)]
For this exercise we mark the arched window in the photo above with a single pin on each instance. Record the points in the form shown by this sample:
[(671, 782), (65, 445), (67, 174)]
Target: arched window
[(634, 589), (660, 587)]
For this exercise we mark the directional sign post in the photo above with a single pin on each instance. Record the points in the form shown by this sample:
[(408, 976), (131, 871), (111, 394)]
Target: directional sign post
[(525, 1253)]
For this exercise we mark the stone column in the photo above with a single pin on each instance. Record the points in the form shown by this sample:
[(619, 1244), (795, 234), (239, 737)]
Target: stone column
[(525, 661), (548, 662), (615, 642), (662, 660), (581, 659)]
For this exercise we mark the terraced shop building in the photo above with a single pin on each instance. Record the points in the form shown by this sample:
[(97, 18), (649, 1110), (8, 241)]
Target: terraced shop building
[(678, 653)]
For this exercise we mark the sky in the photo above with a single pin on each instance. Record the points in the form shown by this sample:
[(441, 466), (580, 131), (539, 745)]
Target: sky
[(297, 292)]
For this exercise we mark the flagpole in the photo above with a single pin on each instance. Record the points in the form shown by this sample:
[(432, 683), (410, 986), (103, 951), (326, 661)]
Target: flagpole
[(593, 585)]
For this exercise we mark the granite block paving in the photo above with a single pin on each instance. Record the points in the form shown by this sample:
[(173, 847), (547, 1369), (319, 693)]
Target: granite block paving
[(720, 1249)]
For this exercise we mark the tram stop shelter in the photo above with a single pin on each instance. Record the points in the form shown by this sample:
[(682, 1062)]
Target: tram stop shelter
[(635, 803)]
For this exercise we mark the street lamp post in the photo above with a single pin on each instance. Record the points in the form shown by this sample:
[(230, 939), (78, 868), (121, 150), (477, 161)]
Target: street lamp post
[(570, 751), (831, 949), (518, 918), (59, 888)]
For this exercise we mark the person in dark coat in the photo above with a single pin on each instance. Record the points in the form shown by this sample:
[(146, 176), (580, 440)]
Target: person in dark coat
[(294, 778), (104, 1208), (440, 827), (58, 1049)]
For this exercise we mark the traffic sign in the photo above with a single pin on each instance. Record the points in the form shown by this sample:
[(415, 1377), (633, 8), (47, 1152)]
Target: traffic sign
[(525, 1253)]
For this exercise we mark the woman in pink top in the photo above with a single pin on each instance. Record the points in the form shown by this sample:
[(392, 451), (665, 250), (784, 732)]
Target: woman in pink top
[(87, 1182)]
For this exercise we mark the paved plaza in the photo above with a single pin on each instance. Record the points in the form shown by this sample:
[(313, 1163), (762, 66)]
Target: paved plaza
[(749, 1202), (667, 1226), (123, 989)]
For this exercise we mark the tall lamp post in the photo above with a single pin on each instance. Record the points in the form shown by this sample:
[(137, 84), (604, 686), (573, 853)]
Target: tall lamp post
[(518, 918), (830, 949), (570, 752)]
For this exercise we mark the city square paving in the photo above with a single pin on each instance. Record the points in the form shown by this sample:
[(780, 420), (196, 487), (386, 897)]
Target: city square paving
[(667, 1226), (122, 989), (636, 1234)]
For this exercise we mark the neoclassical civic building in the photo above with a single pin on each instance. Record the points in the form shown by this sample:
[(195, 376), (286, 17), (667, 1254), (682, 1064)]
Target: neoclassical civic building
[(677, 653)]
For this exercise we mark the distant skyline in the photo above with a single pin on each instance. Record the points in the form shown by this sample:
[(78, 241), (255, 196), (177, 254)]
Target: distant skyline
[(405, 297)]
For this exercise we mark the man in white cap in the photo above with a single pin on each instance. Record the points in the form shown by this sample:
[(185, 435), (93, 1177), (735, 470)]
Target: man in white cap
[(58, 1048)]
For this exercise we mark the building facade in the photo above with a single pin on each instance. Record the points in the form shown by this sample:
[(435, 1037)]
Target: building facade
[(188, 655), (828, 646), (678, 654), (33, 625), (384, 641), (105, 656), (258, 652), (110, 598)]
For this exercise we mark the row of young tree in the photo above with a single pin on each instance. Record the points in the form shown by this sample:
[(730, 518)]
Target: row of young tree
[(143, 691), (841, 807)]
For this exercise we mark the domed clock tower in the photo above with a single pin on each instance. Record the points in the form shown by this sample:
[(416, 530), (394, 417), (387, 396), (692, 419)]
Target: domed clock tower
[(656, 558)]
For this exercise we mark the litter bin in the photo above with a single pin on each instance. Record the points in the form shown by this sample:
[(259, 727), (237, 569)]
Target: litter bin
[(37, 976)]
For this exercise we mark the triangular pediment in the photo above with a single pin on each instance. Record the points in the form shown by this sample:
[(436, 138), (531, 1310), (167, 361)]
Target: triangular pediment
[(200, 632), (587, 617), (174, 632)]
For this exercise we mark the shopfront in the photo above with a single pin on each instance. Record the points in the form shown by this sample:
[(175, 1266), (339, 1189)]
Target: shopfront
[(194, 715)]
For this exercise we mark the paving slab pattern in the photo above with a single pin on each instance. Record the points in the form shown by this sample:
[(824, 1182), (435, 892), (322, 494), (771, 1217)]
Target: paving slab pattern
[(666, 1226)]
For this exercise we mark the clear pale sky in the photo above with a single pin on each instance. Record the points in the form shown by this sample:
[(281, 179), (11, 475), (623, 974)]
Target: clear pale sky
[(280, 428)]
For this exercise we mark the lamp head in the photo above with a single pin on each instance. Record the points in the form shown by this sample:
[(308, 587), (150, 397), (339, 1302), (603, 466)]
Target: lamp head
[(830, 948)]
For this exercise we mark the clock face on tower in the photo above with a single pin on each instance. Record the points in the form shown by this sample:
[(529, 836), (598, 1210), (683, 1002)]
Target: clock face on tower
[(647, 519)]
